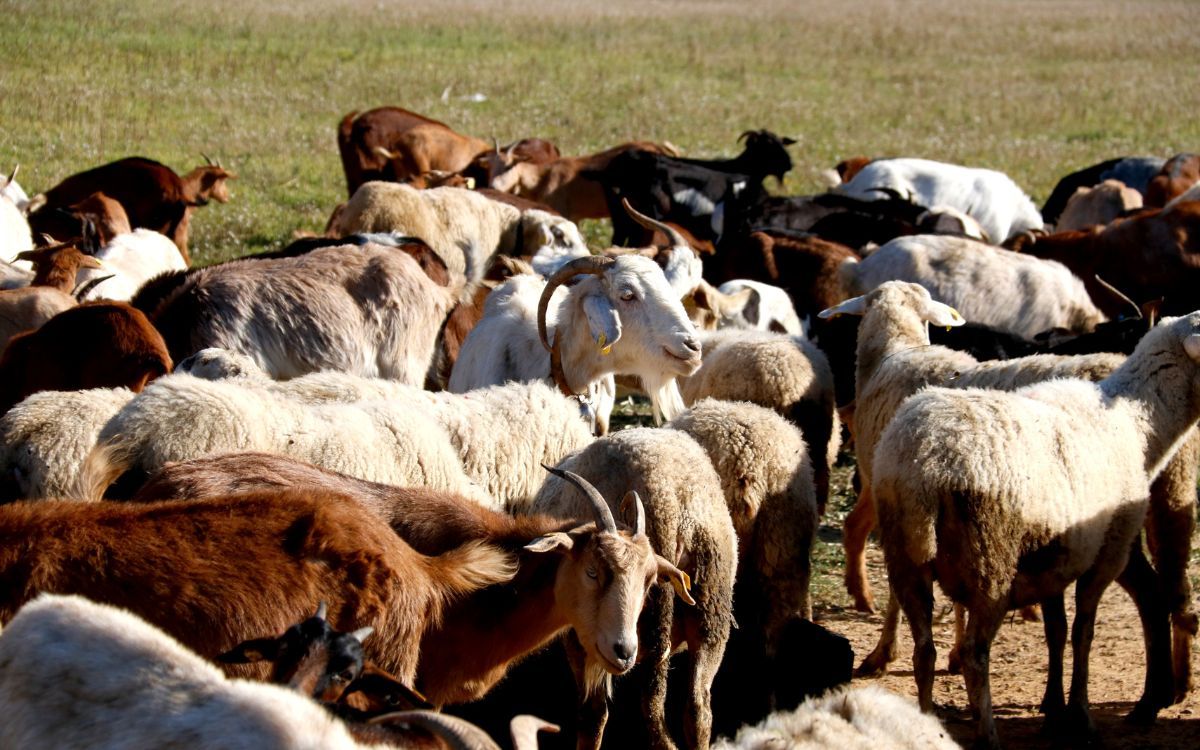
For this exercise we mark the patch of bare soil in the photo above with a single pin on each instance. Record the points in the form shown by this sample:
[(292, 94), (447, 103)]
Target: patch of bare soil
[(1018, 674)]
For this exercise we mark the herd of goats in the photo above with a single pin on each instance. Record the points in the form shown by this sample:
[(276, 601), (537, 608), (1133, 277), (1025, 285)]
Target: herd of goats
[(361, 491)]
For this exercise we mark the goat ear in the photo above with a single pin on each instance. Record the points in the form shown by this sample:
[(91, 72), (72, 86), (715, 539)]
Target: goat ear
[(941, 314), (259, 649), (789, 141), (557, 540), (680, 581), (384, 691), (89, 261), (749, 302), (603, 321), (852, 306)]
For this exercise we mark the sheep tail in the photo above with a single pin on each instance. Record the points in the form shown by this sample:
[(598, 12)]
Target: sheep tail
[(471, 567), (103, 466)]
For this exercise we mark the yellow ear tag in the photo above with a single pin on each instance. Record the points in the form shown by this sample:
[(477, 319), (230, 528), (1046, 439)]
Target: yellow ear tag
[(948, 327), (606, 350), (600, 342)]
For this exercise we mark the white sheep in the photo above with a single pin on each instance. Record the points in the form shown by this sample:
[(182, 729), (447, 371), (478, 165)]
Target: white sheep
[(44, 439), (15, 234), (179, 417), (991, 198), (1011, 292), (130, 260), (688, 522), (973, 486), (75, 674), (861, 718), (788, 374), (463, 227), (767, 479)]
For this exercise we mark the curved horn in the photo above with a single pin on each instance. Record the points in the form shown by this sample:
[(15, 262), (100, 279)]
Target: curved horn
[(604, 516), (745, 134), (322, 611), (495, 144), (595, 265), (13, 176), (508, 155), (89, 285), (207, 160), (381, 151), (639, 526), (458, 733), (1120, 295), (361, 634), (525, 728), (675, 237)]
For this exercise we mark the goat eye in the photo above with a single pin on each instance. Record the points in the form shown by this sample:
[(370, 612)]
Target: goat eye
[(591, 573), (628, 295)]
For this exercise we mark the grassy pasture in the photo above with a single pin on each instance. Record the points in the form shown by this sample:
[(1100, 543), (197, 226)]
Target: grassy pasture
[(1032, 88)]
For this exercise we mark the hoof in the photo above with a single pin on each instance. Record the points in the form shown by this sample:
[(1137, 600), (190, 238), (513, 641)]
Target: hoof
[(1144, 713), (872, 666), (865, 604)]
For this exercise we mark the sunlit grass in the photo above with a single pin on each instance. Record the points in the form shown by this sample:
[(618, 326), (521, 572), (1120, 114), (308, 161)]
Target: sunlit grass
[(1034, 89)]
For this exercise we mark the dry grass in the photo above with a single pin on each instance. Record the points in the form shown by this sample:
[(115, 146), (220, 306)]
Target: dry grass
[(1035, 89)]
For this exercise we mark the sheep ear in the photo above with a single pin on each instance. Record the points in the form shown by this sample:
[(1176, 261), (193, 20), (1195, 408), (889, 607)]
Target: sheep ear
[(550, 542), (680, 581), (1191, 345), (603, 321), (852, 306), (941, 314), (259, 649)]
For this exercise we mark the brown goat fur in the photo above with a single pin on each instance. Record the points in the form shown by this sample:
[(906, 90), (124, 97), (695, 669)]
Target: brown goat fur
[(480, 635), (107, 215), (152, 194), (562, 185), (94, 345), (56, 266), (1151, 255), (1176, 176), (216, 572), (360, 134)]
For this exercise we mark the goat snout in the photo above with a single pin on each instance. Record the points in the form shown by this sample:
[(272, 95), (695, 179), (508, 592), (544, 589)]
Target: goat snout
[(692, 344), (624, 652)]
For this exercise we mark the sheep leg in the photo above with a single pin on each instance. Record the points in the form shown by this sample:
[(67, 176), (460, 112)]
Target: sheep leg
[(914, 590), (982, 626), (593, 708), (857, 527), (876, 662), (1088, 590), (1143, 585), (1170, 522), (954, 663), (705, 662), (1054, 619), (658, 657)]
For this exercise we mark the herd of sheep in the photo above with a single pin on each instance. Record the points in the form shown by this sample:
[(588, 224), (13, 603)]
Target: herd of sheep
[(405, 425)]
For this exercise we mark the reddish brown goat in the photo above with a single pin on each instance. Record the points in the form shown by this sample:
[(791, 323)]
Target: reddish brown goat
[(215, 572), (360, 135), (559, 183), (1176, 176), (1151, 255), (94, 345), (849, 167), (152, 194), (106, 214), (480, 635), (50, 292)]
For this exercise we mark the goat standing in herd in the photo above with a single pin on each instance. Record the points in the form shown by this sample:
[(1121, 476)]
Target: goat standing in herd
[(295, 461)]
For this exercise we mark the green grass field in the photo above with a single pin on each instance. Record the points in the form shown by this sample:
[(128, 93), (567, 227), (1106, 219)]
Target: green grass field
[(1032, 88)]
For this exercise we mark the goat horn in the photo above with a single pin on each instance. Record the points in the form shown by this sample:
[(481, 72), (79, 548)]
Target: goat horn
[(525, 728), (639, 526), (595, 265), (675, 237), (322, 611), (495, 144), (745, 134), (89, 285), (458, 733), (361, 634), (604, 516), (13, 176), (1119, 294), (207, 160), (508, 155)]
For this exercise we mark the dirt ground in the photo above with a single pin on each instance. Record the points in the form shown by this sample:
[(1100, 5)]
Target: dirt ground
[(1018, 673)]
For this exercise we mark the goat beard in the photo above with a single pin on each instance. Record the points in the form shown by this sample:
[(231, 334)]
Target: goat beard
[(665, 399)]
